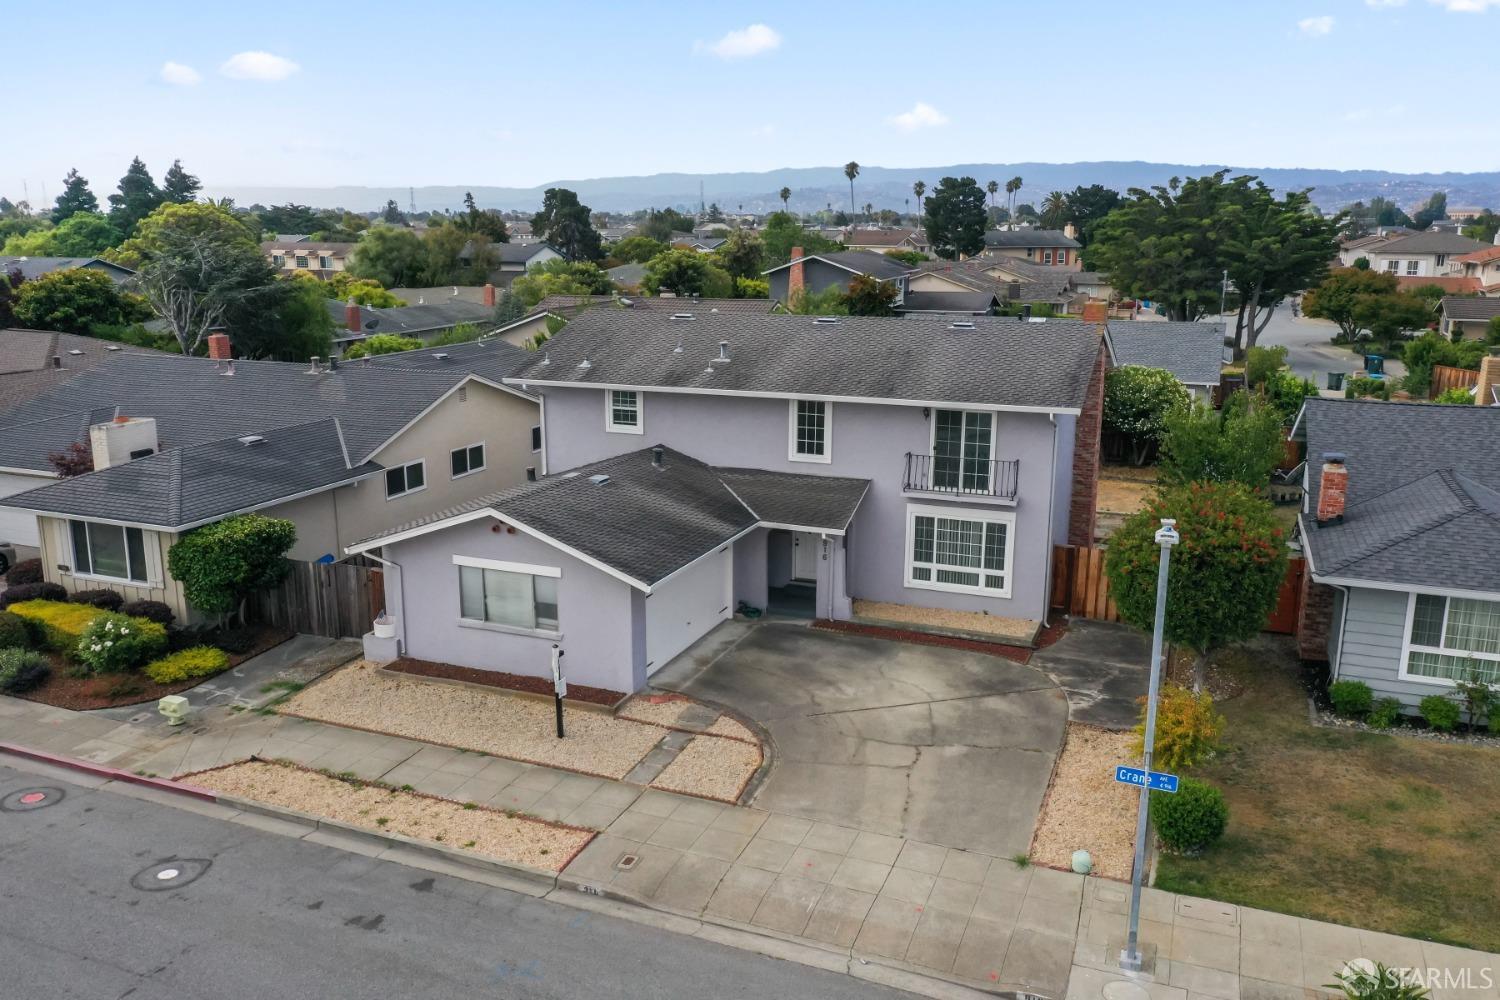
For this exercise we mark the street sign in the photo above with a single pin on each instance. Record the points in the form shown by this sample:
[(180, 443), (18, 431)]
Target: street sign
[(1157, 781)]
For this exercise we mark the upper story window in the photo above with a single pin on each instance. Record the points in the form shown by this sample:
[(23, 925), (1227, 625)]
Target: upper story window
[(536, 437), (1413, 266), (1046, 256), (463, 461), (404, 479), (279, 259), (622, 411), (108, 550), (325, 263), (1062, 256), (301, 261), (514, 595), (1453, 637), (810, 433), (962, 442), (1441, 259)]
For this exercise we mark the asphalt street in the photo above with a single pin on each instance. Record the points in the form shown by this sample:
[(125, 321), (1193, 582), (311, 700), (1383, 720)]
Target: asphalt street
[(244, 913), (1310, 351)]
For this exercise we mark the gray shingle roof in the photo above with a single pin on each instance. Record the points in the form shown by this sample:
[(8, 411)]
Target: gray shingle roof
[(826, 502), (876, 265), (517, 253), (1194, 352), (1432, 242), (1470, 308), (971, 303), (1032, 283), (999, 363), (412, 319), (1422, 508), (1013, 238), (185, 487), (26, 360), (35, 267), (305, 247), (493, 359), (877, 237)]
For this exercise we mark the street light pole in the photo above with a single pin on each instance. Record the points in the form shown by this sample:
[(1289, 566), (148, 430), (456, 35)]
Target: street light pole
[(1166, 537), (1224, 293)]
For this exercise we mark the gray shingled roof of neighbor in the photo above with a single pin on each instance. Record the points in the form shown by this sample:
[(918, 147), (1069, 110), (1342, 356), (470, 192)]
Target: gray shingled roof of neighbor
[(1422, 508), (1001, 364), (194, 402), (517, 253), (1470, 308), (876, 265), (26, 367), (1023, 238), (306, 247), (185, 487), (35, 267), (1432, 242), (877, 237), (1032, 284), (411, 319), (1194, 352), (971, 303), (677, 512), (491, 359)]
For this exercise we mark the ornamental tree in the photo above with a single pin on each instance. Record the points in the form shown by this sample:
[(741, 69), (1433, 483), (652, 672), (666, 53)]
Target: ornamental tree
[(1225, 572), (221, 564), (1241, 443), (1137, 403), (381, 343), (79, 300)]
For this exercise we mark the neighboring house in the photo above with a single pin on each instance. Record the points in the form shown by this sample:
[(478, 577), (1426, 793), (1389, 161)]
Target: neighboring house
[(1360, 247), (35, 267), (702, 244), (1400, 526), (322, 260), (425, 321), (1044, 247), (1192, 352), (514, 260), (1094, 284), (882, 240), (614, 234), (1466, 317), (1007, 279), (1483, 267), (627, 277), (342, 451), (1421, 255), (819, 272), (797, 462), (949, 303)]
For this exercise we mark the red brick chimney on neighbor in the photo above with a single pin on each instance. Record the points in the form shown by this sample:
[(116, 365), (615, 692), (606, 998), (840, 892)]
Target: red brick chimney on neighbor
[(351, 316), (1333, 485), (794, 281), (218, 346), (489, 295)]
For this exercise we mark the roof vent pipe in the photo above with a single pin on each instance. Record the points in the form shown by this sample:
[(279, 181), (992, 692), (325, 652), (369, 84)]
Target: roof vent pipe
[(333, 363), (584, 364), (723, 350), (657, 454), (315, 366), (57, 361)]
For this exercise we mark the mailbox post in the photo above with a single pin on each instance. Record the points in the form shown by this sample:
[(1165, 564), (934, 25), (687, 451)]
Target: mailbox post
[(559, 686)]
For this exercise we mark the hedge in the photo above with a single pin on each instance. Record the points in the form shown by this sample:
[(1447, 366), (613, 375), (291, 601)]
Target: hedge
[(21, 670), (61, 622), (15, 632), (200, 661)]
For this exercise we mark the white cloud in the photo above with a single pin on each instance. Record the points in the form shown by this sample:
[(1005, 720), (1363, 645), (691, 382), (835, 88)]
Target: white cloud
[(1315, 26), (258, 66), (179, 75), (921, 115), (1467, 6), (743, 43)]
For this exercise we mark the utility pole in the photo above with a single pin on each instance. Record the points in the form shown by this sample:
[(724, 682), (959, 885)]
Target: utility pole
[(1223, 293), (1166, 537)]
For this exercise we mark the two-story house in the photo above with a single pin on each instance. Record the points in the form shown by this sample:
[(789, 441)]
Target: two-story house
[(699, 461), (1483, 266), (816, 273), (342, 451), (1043, 247), (322, 260), (1421, 255)]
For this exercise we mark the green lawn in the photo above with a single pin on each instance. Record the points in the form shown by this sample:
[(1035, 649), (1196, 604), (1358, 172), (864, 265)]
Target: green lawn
[(1384, 832)]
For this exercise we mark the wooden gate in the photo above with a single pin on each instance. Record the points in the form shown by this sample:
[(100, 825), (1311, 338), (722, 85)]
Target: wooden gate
[(1283, 618), (338, 600), (1445, 377)]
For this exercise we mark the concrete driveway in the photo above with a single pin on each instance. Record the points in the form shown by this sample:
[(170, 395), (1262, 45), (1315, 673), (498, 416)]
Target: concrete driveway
[(1101, 666), (937, 745)]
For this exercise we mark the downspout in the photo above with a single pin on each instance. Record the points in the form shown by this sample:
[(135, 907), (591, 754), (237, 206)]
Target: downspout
[(1051, 526), (400, 596), (1343, 621)]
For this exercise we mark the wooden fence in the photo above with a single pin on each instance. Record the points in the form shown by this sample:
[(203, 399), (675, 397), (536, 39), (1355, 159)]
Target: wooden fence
[(1080, 588), (1445, 377), (338, 600)]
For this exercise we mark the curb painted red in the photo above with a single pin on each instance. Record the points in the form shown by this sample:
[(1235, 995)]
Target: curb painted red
[(109, 773)]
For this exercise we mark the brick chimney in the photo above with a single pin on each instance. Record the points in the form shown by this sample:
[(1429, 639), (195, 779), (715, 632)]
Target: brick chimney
[(795, 282), (1333, 486), (352, 319), (489, 295), (1489, 378), (218, 346), (1095, 312)]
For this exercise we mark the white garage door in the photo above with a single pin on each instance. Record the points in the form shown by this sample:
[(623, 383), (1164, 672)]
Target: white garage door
[(684, 608), (16, 527)]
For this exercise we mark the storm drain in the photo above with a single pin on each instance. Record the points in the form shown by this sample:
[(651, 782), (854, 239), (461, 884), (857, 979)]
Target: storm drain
[(28, 799), (174, 873)]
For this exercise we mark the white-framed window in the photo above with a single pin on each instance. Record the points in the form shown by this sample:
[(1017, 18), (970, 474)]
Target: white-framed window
[(326, 263), (512, 595), (966, 552), (279, 260), (1393, 266), (962, 445), (536, 437), (1046, 256), (1413, 267), (1062, 256), (809, 430), (109, 551), (1440, 259), (622, 411), (404, 479), (301, 261), (1447, 638), (463, 461)]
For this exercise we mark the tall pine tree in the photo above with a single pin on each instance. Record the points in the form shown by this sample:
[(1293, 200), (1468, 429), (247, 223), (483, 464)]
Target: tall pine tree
[(178, 185), (76, 197), (137, 198)]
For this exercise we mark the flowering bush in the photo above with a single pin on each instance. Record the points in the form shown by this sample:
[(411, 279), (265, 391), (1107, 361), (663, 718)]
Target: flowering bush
[(113, 643)]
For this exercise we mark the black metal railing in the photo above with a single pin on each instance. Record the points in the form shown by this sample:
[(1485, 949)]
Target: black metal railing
[(995, 477)]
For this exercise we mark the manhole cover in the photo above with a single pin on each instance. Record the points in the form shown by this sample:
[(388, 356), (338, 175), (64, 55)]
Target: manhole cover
[(173, 873), (28, 799), (1123, 989)]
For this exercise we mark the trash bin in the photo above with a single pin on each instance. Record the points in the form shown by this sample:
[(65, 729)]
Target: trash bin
[(1374, 364), (1336, 381)]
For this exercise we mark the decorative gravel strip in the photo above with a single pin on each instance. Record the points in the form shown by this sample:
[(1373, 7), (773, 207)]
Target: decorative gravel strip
[(517, 839), (1405, 729), (362, 696), (657, 709), (711, 768), (1018, 629), (1086, 808), (732, 729), (1017, 653)]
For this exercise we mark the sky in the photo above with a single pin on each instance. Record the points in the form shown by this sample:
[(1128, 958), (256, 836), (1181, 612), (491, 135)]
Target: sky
[(513, 94)]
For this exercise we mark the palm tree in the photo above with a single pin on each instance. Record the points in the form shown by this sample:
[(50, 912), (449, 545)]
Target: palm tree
[(919, 189), (1013, 186), (851, 171), (1054, 208), (869, 211), (992, 187), (786, 196)]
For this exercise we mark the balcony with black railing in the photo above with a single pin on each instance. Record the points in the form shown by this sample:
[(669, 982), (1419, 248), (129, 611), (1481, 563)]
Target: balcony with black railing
[(993, 478)]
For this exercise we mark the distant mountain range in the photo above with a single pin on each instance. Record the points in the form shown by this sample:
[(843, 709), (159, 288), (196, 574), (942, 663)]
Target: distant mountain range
[(884, 187)]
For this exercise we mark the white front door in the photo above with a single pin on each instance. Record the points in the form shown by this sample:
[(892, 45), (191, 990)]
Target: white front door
[(805, 546)]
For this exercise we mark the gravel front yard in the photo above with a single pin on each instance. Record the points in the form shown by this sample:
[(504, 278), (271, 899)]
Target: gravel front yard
[(493, 722), (1018, 629), (663, 710), (1086, 808), (711, 767), (486, 831)]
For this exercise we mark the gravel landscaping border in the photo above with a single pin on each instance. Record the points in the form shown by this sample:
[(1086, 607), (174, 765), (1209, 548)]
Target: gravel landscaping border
[(523, 683), (706, 768), (1016, 653), (1085, 808), (1327, 720)]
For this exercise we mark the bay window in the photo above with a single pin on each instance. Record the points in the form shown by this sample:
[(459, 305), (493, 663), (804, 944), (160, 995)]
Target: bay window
[(1452, 637)]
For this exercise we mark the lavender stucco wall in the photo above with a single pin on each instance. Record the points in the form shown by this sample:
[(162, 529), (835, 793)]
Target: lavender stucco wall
[(869, 441), (750, 569)]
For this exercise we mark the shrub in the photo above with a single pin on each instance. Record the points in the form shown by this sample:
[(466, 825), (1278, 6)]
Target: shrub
[(21, 670), (1440, 712), (1384, 713), (200, 661), (33, 592), (1241, 443), (15, 632), (25, 571), (1351, 699), (60, 623), (233, 640), (1192, 818), (1137, 403), (1187, 728), (1457, 395), (1363, 980), (1262, 362), (114, 643), (1480, 699), (222, 563), (109, 600), (154, 611)]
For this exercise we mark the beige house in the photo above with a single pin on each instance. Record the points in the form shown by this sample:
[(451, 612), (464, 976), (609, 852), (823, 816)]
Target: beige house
[(1484, 267), (323, 260)]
